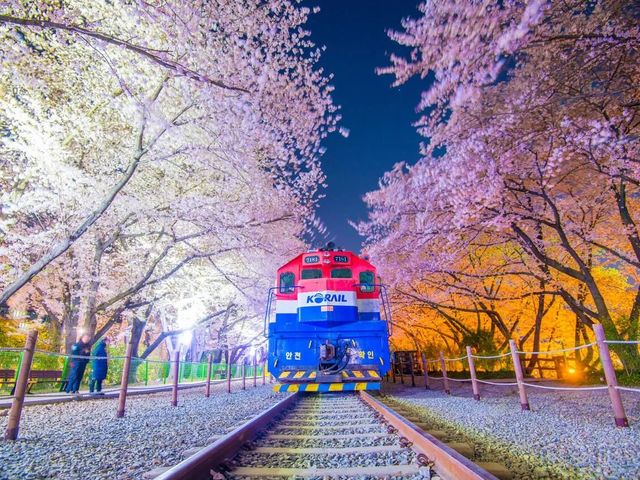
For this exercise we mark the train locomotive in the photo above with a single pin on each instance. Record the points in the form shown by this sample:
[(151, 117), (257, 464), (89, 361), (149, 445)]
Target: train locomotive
[(325, 325)]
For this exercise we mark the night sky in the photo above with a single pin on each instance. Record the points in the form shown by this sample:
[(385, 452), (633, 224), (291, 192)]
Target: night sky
[(379, 117)]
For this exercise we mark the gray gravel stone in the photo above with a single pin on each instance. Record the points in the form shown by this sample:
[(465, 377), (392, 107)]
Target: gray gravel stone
[(566, 435), (322, 413), (84, 440)]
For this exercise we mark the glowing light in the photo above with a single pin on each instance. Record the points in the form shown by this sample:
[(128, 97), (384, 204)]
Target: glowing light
[(571, 371), (185, 338), (188, 316)]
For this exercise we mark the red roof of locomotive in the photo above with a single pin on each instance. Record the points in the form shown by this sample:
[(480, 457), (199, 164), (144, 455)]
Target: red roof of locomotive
[(328, 260)]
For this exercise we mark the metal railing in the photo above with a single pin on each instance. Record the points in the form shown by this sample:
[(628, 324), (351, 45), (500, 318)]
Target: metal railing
[(123, 372), (383, 297)]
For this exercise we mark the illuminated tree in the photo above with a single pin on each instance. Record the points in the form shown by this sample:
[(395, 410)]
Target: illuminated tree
[(143, 143), (532, 126), (85, 113)]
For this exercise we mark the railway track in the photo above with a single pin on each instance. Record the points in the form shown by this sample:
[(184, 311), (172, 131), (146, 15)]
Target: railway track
[(340, 436)]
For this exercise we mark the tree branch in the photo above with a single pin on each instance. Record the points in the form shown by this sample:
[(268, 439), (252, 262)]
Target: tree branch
[(145, 52)]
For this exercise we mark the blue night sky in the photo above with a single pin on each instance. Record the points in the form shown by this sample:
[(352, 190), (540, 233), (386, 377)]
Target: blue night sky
[(379, 117)]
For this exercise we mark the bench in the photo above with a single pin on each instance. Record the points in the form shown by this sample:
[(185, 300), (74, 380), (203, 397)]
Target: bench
[(43, 376), (7, 377)]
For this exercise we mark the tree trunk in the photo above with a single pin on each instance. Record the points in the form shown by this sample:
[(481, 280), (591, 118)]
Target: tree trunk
[(137, 327), (90, 322), (540, 312), (71, 314)]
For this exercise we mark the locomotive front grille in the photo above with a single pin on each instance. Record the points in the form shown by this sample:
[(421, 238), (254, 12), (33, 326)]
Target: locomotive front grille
[(347, 375), (326, 387)]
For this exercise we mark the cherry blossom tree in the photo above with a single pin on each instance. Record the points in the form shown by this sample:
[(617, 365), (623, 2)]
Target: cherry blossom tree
[(120, 107), (532, 141), (145, 144)]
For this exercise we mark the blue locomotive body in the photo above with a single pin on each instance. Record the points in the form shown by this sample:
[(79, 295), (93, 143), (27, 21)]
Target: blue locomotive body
[(325, 328)]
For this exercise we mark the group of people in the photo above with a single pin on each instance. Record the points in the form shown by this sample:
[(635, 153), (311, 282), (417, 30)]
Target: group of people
[(80, 353)]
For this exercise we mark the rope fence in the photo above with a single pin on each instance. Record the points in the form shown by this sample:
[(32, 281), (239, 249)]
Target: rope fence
[(455, 359), (489, 357), (50, 371), (488, 362), (628, 389), (561, 350), (498, 384), (548, 387)]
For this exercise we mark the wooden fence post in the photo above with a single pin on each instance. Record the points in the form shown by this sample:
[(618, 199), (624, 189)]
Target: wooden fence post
[(610, 375), (244, 375), (13, 422), (425, 371), (517, 367), (264, 372), (207, 392), (443, 367), (411, 369), (124, 381), (176, 377), (228, 377), (393, 371), (401, 371), (472, 372)]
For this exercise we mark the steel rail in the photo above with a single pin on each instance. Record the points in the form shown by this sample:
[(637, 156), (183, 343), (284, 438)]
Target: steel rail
[(447, 462), (199, 465)]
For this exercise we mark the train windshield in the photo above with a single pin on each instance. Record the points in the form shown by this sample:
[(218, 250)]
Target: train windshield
[(287, 281), (367, 281), (341, 273), (310, 273)]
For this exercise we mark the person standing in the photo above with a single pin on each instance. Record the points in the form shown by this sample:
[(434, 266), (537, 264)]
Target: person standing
[(99, 366), (80, 352)]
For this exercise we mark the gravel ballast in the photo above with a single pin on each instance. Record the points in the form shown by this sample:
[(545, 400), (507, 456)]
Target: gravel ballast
[(320, 422), (566, 435), (84, 440)]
